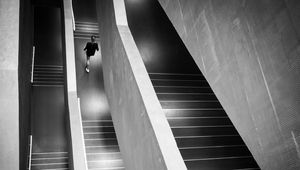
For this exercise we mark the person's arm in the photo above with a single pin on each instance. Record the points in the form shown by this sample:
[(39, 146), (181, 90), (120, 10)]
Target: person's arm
[(97, 47), (85, 47)]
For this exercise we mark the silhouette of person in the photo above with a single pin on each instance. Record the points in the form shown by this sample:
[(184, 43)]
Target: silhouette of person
[(90, 49)]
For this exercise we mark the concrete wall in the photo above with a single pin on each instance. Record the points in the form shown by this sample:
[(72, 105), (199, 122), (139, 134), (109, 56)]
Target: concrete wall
[(9, 95), (84, 11), (249, 52), (144, 136), (77, 153), (25, 62)]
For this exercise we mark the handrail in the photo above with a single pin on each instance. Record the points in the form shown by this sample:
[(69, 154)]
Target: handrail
[(83, 142), (32, 63), (73, 18), (30, 152)]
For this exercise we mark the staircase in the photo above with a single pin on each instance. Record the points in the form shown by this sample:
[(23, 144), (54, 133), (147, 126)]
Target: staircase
[(204, 134), (50, 161), (84, 30), (101, 145), (48, 75), (102, 149)]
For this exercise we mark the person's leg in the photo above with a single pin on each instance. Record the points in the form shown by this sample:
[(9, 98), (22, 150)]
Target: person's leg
[(87, 69)]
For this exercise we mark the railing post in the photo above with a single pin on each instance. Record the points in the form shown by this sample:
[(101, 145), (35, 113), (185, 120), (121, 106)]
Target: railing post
[(30, 152), (32, 63)]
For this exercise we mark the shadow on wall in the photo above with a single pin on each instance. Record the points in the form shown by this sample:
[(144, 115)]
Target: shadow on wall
[(25, 58), (157, 40)]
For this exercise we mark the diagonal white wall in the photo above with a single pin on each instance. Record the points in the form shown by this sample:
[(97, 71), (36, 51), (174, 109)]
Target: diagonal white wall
[(143, 133)]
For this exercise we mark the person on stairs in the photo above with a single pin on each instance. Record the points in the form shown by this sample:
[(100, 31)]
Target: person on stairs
[(90, 49)]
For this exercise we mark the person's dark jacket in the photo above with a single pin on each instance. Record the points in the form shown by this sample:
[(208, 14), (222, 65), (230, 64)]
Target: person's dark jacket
[(91, 48)]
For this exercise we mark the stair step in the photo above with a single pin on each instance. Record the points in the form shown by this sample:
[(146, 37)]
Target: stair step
[(37, 155), (107, 168), (203, 131), (47, 66), (86, 23), (103, 156), (82, 34), (116, 163), (90, 29), (55, 70), (54, 83), (48, 78), (190, 104), (181, 89), (97, 123), (186, 96), (48, 83), (47, 74), (248, 169), (102, 149), (101, 142), (98, 135), (49, 166), (88, 26), (103, 117), (187, 121), (194, 112), (49, 69), (172, 82), (213, 140), (49, 160), (50, 169), (91, 129), (214, 152), (225, 163), (176, 76)]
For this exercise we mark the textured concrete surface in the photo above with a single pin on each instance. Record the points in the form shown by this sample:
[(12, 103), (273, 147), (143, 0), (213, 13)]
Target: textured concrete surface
[(9, 94), (143, 133), (77, 150), (249, 52)]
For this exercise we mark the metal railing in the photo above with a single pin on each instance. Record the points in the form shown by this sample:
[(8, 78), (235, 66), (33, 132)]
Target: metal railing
[(32, 63), (30, 152)]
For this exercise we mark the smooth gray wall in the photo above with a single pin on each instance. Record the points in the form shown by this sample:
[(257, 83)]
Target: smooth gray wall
[(249, 52), (83, 11), (25, 60), (9, 88)]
